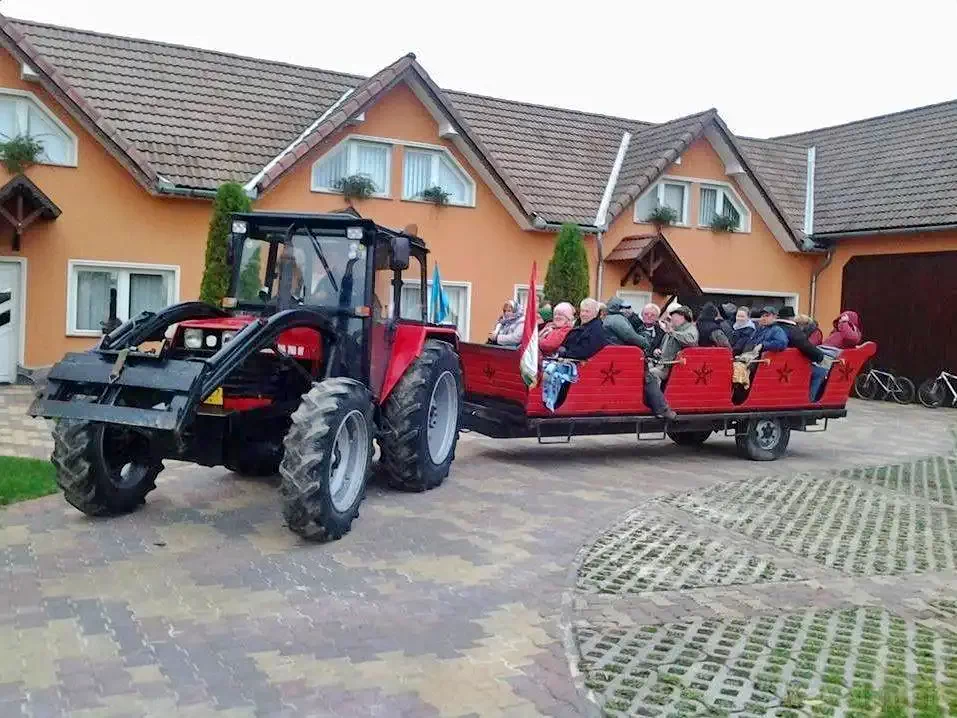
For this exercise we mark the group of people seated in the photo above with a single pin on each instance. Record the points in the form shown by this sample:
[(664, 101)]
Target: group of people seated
[(747, 333)]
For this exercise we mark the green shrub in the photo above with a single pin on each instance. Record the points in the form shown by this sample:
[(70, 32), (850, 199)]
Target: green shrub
[(19, 153), (567, 277), (250, 277), (230, 197)]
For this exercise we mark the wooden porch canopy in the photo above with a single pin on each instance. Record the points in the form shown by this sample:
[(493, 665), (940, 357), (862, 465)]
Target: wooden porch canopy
[(651, 256), (22, 203)]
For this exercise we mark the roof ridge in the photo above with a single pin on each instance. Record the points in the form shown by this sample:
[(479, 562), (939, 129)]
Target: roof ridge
[(550, 107), (771, 141), (866, 119), (180, 46)]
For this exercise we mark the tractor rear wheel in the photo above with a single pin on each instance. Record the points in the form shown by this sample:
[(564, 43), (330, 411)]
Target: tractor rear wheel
[(689, 438), (422, 417), (103, 469), (328, 452), (765, 439)]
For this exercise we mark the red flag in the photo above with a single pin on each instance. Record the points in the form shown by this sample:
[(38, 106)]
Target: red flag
[(529, 348)]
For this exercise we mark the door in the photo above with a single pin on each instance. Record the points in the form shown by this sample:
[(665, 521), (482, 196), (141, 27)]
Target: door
[(9, 321)]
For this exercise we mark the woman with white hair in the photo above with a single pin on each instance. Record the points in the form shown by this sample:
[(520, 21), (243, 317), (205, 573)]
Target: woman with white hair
[(587, 339)]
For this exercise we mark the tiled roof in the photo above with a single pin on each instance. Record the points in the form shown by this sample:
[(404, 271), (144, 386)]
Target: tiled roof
[(651, 151), (631, 247), (897, 170), (782, 168)]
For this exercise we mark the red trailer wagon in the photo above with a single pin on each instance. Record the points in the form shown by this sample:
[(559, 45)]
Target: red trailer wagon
[(609, 398)]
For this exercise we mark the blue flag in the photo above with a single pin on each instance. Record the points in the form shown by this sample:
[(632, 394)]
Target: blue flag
[(439, 300)]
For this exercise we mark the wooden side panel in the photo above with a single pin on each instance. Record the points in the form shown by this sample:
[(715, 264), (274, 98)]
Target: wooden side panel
[(492, 371), (702, 384), (611, 382), (784, 383), (841, 378)]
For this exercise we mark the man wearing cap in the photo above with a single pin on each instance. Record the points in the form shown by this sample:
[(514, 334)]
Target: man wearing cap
[(618, 329), (769, 336), (681, 332), (799, 340)]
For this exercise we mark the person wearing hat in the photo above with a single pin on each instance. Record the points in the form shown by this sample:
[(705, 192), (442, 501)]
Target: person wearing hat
[(799, 340), (769, 336), (618, 329), (680, 333)]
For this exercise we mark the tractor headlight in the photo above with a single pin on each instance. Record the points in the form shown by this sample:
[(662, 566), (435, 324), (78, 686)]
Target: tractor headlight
[(211, 340), (193, 338), (227, 336)]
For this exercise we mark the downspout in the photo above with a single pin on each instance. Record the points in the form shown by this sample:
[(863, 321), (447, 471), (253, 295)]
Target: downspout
[(601, 217), (817, 273), (601, 263)]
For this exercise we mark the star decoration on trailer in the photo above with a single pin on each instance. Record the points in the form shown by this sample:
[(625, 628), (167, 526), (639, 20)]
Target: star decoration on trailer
[(846, 371), (784, 374), (609, 373), (489, 372), (703, 374)]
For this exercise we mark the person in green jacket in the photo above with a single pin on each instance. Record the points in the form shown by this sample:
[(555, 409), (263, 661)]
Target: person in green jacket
[(618, 329)]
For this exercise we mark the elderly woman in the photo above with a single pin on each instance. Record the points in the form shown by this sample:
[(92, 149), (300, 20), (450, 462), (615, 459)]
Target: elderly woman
[(554, 332), (509, 327), (584, 341)]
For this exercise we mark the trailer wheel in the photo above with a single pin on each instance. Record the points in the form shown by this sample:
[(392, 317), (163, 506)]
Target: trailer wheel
[(328, 452), (764, 440), (422, 417), (104, 470), (689, 438)]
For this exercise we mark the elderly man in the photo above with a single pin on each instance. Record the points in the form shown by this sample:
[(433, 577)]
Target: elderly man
[(769, 336), (648, 326), (618, 330), (681, 333), (584, 341)]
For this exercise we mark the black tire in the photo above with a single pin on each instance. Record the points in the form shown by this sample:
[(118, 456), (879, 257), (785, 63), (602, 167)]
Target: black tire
[(103, 469), (865, 386), (764, 439), (689, 438), (931, 394), (409, 417), (311, 500), (904, 392)]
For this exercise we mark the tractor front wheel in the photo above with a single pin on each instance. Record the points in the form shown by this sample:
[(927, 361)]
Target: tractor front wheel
[(104, 470), (422, 417), (328, 452)]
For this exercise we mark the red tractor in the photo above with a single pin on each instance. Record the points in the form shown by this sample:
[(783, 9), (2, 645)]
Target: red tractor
[(301, 372)]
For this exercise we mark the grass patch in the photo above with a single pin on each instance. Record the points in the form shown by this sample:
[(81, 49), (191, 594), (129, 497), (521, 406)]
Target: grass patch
[(22, 479)]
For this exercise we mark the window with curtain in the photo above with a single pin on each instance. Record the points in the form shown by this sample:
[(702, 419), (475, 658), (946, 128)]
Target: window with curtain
[(353, 157), (424, 169), (22, 115), (715, 200), (521, 295), (136, 290), (458, 304), (664, 194)]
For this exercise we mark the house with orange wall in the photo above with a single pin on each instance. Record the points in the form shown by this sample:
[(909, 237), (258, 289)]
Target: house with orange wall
[(138, 135)]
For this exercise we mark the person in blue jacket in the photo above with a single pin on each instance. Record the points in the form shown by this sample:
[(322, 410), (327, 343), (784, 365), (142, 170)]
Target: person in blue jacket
[(769, 335)]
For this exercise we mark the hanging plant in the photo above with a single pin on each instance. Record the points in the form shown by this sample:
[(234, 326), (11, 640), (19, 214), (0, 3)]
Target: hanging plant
[(357, 186), (662, 216), (724, 223), (20, 153), (436, 195)]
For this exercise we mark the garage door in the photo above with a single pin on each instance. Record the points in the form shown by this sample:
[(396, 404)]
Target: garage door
[(907, 304), (9, 321)]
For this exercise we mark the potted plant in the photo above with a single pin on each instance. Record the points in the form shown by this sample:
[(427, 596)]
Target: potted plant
[(358, 186), (436, 195), (19, 153), (662, 216), (724, 223)]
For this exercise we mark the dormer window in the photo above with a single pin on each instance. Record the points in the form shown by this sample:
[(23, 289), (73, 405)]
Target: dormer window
[(353, 157), (664, 194), (21, 114)]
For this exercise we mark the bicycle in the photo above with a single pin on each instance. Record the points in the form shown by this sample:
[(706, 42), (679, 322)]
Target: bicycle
[(898, 388), (931, 393)]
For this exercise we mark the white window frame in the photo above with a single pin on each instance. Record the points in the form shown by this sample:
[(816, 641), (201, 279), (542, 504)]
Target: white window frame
[(436, 151), (791, 299), (464, 333), (630, 296), (353, 150), (21, 111), (725, 188), (659, 189), (124, 269), (523, 288)]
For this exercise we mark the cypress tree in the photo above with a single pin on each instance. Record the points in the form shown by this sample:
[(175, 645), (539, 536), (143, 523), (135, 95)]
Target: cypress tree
[(567, 277), (230, 197)]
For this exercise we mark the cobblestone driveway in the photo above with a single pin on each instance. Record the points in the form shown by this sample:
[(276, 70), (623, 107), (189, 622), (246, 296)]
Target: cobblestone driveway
[(448, 603)]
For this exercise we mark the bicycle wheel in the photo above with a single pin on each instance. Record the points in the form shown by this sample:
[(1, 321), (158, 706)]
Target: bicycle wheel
[(865, 386), (931, 393), (902, 390)]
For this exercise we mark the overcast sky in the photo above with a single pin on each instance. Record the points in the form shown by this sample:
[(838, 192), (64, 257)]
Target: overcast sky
[(769, 66)]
